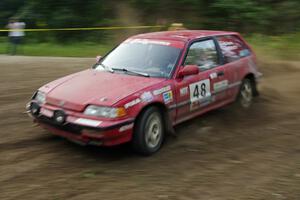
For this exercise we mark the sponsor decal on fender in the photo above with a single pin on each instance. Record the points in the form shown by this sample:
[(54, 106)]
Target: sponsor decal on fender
[(147, 97), (132, 103), (162, 90), (168, 97)]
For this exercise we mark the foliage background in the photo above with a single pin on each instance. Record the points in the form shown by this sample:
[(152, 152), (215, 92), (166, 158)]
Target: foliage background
[(272, 21)]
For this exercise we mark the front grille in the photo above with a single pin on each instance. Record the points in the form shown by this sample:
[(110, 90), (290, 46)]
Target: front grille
[(72, 128)]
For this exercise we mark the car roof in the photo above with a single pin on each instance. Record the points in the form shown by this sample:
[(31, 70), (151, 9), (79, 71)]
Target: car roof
[(182, 35)]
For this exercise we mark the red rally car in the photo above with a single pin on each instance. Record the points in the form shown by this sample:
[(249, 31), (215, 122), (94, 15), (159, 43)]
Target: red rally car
[(146, 85)]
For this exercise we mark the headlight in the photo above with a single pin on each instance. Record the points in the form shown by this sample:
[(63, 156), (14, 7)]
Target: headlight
[(40, 97), (105, 111)]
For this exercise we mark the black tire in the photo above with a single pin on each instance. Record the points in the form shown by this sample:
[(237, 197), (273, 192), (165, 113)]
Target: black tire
[(149, 132), (246, 94)]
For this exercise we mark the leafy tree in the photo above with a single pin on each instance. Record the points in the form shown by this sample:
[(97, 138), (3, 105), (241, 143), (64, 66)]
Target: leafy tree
[(247, 16)]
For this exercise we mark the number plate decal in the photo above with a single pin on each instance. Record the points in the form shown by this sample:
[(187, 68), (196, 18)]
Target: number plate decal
[(200, 95), (200, 90), (46, 112)]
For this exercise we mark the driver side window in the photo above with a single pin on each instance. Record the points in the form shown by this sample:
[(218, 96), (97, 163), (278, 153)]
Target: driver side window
[(203, 54)]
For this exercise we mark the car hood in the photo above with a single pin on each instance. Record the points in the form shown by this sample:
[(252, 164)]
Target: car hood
[(78, 90)]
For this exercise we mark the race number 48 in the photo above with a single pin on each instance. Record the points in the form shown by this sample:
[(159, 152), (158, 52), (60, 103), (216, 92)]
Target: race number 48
[(200, 90)]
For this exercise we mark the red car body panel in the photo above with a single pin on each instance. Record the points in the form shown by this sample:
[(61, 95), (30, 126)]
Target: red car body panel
[(89, 86), (75, 92)]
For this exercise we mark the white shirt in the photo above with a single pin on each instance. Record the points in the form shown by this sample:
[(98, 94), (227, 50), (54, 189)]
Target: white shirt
[(16, 29)]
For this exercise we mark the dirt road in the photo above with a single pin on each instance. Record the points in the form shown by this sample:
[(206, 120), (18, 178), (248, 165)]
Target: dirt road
[(221, 155)]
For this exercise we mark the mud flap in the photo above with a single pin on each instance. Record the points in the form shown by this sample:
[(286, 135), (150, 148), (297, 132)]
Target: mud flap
[(169, 127)]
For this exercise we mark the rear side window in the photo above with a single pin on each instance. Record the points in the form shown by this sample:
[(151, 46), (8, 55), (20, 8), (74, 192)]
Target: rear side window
[(233, 48)]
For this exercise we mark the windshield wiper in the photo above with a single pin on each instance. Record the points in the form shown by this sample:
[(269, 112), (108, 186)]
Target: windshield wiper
[(130, 71)]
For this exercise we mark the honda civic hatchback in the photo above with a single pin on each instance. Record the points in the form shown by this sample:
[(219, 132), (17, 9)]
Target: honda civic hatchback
[(145, 86)]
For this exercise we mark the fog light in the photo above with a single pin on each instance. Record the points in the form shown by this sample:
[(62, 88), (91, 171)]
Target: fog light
[(59, 117)]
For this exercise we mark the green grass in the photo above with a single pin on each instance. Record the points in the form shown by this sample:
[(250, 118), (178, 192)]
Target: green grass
[(65, 50), (285, 47)]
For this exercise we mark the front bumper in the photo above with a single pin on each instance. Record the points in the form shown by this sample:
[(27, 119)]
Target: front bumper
[(82, 130)]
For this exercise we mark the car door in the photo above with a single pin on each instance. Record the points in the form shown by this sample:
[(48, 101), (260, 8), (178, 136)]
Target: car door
[(235, 54), (201, 92)]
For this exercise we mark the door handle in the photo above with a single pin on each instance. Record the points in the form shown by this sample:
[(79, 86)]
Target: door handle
[(220, 73), (213, 75)]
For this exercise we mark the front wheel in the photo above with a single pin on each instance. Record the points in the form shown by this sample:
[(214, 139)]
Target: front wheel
[(149, 132), (246, 94)]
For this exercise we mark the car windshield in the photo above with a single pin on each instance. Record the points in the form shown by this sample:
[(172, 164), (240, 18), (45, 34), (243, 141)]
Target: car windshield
[(151, 59)]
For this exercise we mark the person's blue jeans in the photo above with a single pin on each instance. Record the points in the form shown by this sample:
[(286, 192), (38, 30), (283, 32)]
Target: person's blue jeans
[(14, 42)]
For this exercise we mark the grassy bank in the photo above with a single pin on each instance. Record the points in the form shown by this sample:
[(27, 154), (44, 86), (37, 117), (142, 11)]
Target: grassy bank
[(286, 47), (65, 50)]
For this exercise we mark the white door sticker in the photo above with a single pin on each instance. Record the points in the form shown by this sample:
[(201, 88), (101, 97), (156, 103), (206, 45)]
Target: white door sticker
[(200, 90), (220, 86)]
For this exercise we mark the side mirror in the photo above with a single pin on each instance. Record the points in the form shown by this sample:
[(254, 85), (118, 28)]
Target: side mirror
[(98, 58), (188, 70)]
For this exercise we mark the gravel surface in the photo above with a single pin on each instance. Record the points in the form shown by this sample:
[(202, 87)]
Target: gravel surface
[(225, 154)]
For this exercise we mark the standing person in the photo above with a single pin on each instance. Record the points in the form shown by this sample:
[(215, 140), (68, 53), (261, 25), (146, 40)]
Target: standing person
[(15, 34)]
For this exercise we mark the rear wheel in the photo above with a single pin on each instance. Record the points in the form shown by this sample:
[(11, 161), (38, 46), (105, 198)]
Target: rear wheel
[(149, 132), (246, 94)]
